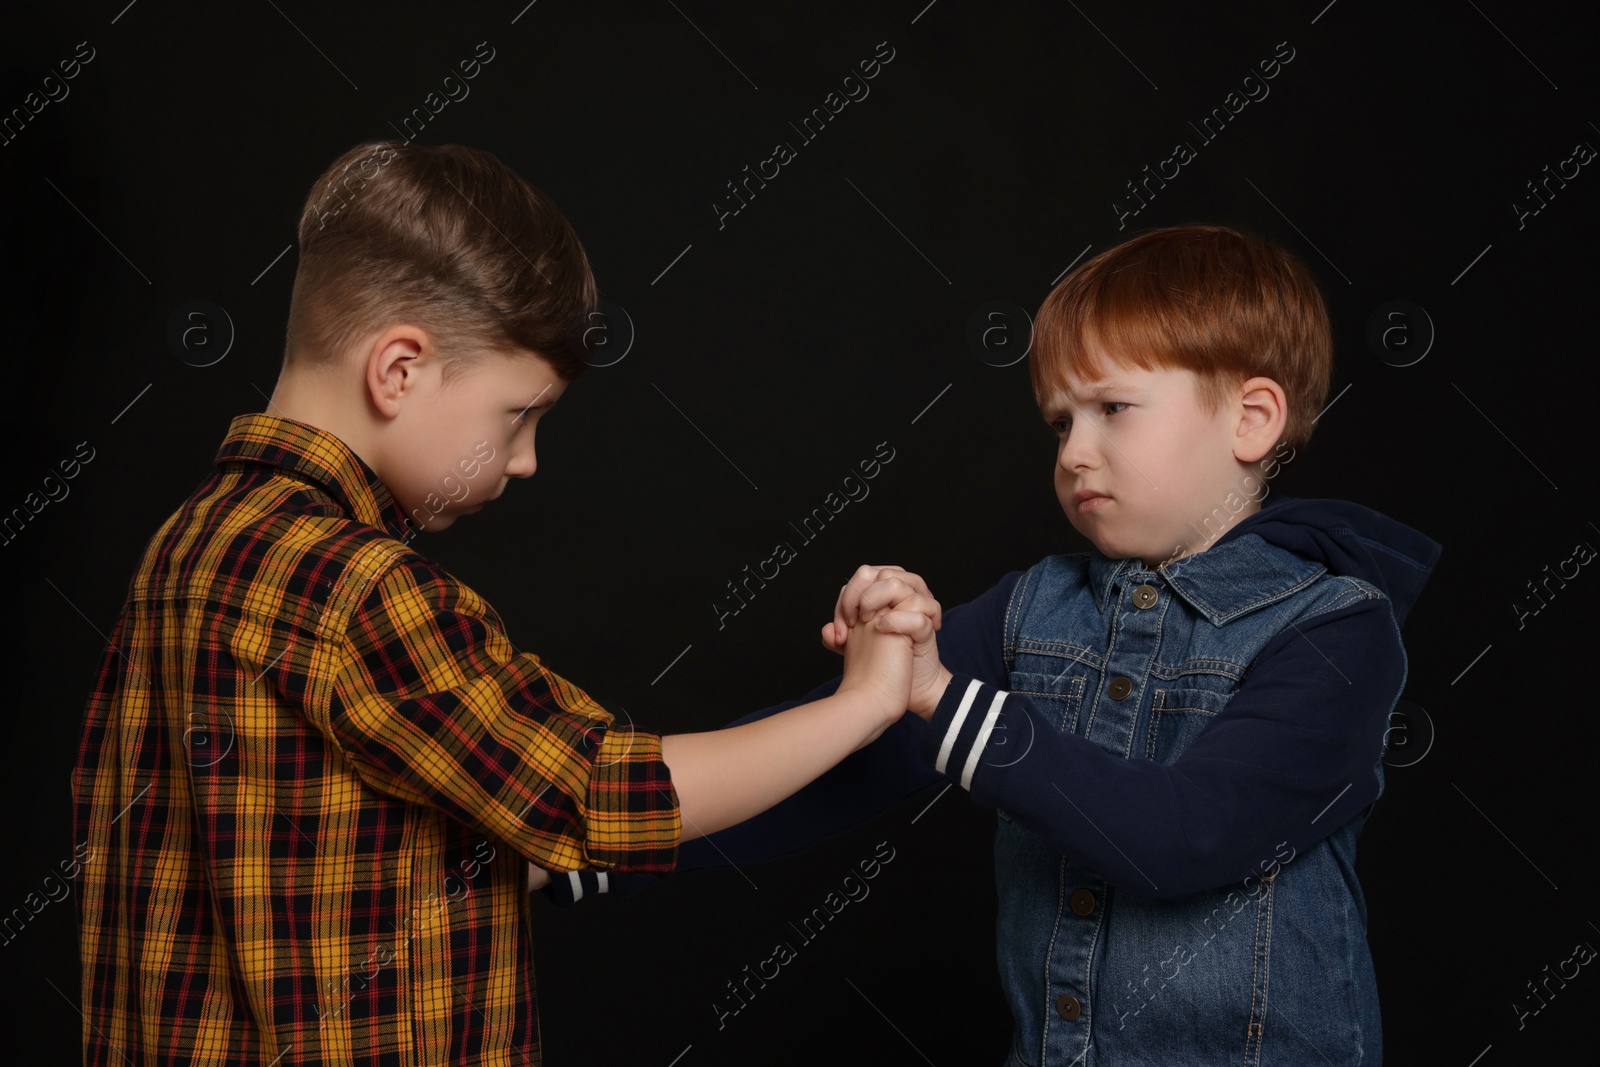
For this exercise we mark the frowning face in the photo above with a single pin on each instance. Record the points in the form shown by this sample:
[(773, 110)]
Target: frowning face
[(1138, 459)]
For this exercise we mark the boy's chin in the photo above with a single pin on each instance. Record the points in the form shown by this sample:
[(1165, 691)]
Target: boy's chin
[(435, 523), (1112, 549), (1089, 536)]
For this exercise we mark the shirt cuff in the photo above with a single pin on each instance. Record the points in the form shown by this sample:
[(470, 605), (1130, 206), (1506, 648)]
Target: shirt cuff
[(632, 822), (568, 887), (961, 728)]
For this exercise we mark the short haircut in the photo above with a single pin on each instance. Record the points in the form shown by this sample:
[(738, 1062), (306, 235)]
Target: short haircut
[(1224, 304), (447, 238)]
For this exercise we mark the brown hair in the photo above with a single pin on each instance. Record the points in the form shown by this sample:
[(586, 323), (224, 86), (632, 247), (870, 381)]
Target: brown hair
[(1227, 305), (443, 236)]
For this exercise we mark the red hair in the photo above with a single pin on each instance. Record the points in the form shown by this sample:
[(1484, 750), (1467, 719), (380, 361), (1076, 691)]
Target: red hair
[(1224, 304)]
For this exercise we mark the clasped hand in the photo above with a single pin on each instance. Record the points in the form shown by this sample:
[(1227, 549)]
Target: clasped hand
[(883, 624), (891, 609)]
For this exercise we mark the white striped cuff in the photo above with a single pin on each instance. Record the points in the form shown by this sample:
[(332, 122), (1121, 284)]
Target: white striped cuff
[(963, 743)]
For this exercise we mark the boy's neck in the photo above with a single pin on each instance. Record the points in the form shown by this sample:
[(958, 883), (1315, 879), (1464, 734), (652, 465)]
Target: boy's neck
[(318, 400), (1190, 549)]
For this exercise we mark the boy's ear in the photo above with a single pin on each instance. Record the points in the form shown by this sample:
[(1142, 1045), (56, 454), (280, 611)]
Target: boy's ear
[(393, 363), (1262, 416)]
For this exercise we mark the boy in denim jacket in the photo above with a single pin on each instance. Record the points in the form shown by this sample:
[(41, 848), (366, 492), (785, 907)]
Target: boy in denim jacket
[(1181, 729)]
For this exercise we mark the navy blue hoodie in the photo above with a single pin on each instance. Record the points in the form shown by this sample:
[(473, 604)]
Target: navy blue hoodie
[(1347, 538)]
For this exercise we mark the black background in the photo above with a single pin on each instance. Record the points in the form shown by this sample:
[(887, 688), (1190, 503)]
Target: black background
[(823, 319)]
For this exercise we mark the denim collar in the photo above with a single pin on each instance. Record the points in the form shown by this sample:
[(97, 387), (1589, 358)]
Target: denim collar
[(1230, 579), (319, 457)]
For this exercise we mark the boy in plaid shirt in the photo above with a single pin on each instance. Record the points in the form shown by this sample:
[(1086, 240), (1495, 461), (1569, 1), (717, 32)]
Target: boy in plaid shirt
[(314, 768)]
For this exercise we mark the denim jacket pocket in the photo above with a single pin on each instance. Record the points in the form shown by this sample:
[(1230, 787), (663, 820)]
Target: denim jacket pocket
[(1057, 697), (1177, 716)]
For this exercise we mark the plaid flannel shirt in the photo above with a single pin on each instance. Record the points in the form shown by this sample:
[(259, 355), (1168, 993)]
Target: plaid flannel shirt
[(311, 770)]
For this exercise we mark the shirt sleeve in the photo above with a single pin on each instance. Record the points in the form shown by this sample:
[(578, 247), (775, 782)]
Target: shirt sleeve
[(863, 784), (434, 706), (1293, 755)]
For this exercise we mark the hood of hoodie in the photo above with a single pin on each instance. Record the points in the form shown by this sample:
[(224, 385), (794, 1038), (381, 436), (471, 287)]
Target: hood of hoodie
[(1349, 539)]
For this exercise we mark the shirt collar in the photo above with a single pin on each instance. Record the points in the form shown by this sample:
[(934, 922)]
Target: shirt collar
[(319, 457), (1238, 574)]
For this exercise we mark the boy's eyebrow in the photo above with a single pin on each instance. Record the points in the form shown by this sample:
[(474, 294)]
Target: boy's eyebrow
[(1060, 399), (535, 400)]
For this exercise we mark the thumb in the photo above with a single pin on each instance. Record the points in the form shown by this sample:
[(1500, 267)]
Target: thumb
[(828, 640)]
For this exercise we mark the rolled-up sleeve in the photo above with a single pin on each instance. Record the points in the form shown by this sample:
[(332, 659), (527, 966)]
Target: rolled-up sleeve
[(434, 706)]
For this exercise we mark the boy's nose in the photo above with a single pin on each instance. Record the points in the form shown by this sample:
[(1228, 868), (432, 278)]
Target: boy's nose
[(1076, 451), (522, 464)]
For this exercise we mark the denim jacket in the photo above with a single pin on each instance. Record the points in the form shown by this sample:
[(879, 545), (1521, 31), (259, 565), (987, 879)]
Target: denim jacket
[(1182, 760)]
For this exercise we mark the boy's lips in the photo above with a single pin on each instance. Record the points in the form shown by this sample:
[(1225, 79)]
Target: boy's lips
[(1088, 499)]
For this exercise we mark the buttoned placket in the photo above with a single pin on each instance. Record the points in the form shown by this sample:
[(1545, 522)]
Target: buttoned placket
[(1113, 722)]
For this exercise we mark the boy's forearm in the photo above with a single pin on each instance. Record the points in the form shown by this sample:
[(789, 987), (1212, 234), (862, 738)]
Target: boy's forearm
[(723, 777)]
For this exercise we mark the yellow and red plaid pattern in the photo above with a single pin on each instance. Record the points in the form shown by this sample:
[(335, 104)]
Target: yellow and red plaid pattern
[(311, 769)]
